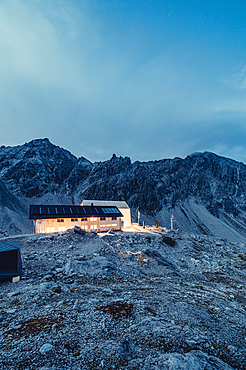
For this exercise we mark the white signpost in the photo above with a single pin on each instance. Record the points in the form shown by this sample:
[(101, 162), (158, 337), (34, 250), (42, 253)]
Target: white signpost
[(172, 221)]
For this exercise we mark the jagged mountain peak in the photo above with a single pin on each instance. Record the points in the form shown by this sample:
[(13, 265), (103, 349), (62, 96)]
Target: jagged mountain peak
[(203, 154), (210, 156), (45, 140), (120, 159), (114, 166), (215, 184), (45, 149), (35, 167)]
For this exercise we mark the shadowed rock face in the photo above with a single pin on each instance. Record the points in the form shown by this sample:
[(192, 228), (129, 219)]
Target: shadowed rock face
[(9, 200), (13, 213), (216, 183)]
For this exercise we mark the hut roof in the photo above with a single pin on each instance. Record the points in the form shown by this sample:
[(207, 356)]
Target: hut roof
[(8, 246), (71, 211)]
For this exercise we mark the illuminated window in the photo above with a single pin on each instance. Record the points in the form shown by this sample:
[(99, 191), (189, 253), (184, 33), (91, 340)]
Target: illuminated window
[(93, 219), (50, 229)]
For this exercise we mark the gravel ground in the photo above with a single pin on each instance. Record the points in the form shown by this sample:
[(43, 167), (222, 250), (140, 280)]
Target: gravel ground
[(150, 299)]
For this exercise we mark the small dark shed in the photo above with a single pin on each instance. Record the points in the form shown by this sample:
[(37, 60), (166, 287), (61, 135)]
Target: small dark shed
[(10, 260)]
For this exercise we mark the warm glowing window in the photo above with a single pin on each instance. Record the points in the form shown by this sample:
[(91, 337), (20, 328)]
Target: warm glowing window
[(93, 219), (50, 229)]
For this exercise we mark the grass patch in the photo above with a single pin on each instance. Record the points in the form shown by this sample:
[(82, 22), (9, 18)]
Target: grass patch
[(117, 310), (36, 325)]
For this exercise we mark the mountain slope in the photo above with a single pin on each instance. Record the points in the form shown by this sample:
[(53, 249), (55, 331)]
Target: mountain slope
[(205, 192), (13, 213)]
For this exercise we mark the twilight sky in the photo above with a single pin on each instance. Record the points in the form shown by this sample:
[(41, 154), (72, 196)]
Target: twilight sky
[(145, 79)]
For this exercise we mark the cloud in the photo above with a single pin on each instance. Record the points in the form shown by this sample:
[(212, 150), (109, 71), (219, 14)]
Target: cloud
[(65, 75), (45, 64)]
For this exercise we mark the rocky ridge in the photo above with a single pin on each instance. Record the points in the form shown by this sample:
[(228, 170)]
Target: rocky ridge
[(151, 299), (205, 192)]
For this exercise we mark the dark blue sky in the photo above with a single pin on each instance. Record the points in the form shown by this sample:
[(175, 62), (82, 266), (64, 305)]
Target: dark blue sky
[(146, 79)]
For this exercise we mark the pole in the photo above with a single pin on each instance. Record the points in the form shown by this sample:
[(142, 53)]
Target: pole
[(172, 221)]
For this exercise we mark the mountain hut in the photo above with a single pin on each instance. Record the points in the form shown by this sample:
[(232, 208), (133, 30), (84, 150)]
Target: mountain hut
[(52, 218)]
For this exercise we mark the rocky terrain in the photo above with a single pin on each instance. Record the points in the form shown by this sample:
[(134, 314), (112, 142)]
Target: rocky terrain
[(148, 299), (205, 192)]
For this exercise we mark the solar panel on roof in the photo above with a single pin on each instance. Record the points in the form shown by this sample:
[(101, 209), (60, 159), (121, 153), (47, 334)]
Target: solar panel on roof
[(63, 211), (110, 210)]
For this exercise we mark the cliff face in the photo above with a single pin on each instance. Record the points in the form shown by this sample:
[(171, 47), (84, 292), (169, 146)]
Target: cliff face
[(215, 184)]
